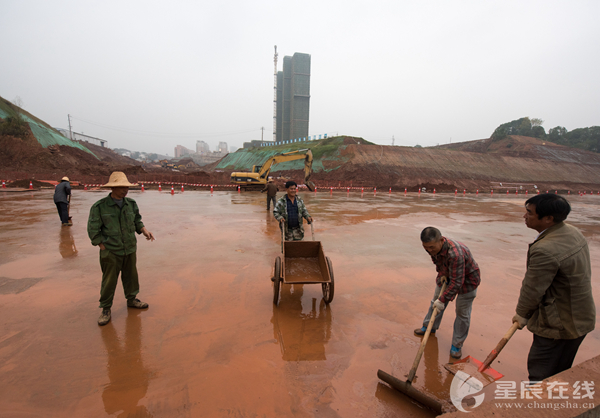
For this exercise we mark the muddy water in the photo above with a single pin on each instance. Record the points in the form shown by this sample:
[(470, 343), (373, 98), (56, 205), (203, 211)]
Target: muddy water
[(212, 343)]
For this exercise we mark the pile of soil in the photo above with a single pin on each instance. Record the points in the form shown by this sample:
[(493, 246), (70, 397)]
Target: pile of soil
[(471, 165), (24, 184), (28, 156)]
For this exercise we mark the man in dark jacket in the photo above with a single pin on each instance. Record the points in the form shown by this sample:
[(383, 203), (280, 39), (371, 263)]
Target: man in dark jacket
[(556, 300), (62, 195), (271, 189), (112, 225)]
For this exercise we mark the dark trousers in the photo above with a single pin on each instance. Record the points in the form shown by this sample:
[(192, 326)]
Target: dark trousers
[(112, 265), (63, 212), (548, 356), (269, 200)]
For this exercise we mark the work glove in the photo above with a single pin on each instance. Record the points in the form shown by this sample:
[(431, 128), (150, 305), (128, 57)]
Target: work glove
[(520, 320), (439, 305)]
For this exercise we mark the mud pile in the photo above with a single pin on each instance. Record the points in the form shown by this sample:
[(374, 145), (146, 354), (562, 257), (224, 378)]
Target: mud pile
[(514, 162)]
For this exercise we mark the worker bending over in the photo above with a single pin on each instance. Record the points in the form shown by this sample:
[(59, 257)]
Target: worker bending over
[(453, 260)]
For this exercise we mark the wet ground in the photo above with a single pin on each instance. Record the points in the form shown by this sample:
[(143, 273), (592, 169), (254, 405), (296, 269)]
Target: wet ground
[(212, 344)]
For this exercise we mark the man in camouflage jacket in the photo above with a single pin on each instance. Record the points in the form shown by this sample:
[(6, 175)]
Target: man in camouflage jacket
[(289, 211)]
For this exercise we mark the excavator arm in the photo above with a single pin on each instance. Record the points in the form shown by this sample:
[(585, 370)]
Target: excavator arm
[(305, 154), (265, 169)]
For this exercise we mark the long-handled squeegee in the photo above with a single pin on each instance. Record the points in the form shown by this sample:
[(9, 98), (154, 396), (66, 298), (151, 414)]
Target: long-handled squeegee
[(407, 387)]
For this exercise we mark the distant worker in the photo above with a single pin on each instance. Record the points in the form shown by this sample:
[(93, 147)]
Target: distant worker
[(62, 199), (271, 189), (112, 225), (289, 211), (556, 300), (453, 260)]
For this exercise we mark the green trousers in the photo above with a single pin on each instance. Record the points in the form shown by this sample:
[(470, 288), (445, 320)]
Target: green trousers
[(112, 265)]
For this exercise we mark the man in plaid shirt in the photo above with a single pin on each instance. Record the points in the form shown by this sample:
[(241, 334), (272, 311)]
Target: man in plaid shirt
[(453, 260)]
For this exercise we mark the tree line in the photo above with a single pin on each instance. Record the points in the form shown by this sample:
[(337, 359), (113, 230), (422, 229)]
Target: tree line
[(582, 138)]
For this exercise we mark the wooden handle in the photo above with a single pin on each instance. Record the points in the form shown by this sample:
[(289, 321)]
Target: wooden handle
[(413, 371), (492, 356), (282, 234)]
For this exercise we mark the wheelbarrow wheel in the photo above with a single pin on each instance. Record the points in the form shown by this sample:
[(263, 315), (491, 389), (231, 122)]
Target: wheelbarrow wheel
[(276, 280), (328, 288)]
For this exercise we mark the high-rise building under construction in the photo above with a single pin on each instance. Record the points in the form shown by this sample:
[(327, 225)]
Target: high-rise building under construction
[(293, 98)]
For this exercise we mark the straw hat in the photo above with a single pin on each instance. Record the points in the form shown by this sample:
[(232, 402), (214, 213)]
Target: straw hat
[(65, 178), (118, 179)]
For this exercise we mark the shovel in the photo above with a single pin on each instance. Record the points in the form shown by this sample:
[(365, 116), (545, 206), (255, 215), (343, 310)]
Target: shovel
[(482, 371), (69, 210), (406, 387)]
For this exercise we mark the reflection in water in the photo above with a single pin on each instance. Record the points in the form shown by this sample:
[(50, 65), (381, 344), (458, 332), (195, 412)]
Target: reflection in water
[(436, 378), (271, 225), (128, 377), (301, 336), (66, 245)]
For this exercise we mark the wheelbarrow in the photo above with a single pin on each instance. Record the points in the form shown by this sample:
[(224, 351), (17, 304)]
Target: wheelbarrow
[(303, 262)]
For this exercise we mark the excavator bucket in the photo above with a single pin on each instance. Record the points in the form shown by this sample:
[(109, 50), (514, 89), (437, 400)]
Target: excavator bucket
[(308, 160)]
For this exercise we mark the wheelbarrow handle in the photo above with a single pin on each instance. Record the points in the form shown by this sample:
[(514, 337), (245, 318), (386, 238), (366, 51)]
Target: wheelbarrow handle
[(283, 230)]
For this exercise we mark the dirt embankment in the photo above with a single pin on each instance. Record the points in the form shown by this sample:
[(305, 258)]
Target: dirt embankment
[(514, 162), (28, 156)]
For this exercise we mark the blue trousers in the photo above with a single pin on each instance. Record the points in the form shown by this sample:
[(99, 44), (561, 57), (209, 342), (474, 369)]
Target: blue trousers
[(462, 322)]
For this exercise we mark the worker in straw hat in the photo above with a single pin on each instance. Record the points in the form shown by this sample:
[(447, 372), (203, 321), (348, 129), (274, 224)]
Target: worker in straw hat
[(62, 196), (112, 225), (271, 189)]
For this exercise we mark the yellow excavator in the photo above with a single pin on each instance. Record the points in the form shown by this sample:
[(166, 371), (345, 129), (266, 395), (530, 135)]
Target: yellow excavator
[(259, 175)]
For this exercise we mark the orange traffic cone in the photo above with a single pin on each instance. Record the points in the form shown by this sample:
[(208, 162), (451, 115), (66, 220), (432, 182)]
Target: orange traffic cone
[(172, 189), (30, 185)]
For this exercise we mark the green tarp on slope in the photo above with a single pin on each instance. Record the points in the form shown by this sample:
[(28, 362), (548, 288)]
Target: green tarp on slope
[(44, 135), (326, 150)]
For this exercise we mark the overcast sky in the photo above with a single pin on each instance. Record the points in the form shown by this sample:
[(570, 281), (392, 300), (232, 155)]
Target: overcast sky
[(149, 75)]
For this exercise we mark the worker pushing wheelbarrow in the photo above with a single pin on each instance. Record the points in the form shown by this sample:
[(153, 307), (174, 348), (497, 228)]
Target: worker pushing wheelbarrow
[(301, 262)]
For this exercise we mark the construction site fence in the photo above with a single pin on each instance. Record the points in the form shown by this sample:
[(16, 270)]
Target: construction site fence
[(85, 179), (201, 181), (156, 178)]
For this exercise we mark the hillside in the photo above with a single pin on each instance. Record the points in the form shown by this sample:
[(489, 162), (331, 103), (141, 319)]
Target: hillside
[(474, 164), (40, 150)]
